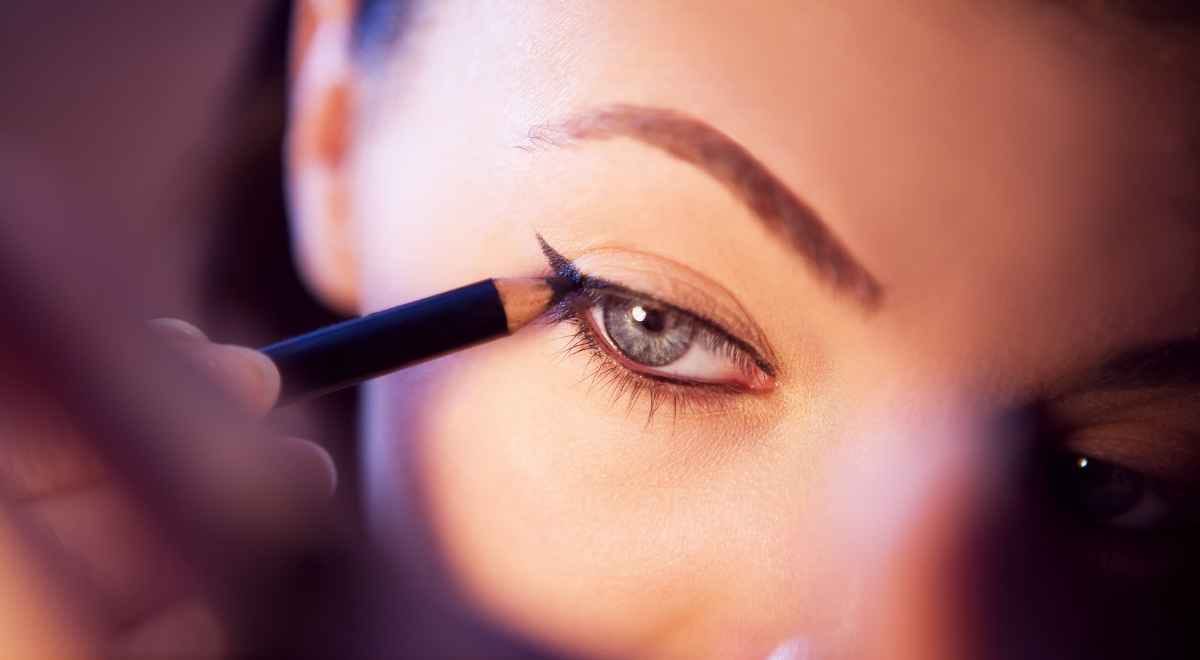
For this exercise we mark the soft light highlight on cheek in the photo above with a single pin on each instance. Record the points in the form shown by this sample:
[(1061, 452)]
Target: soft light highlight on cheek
[(533, 500), (560, 514)]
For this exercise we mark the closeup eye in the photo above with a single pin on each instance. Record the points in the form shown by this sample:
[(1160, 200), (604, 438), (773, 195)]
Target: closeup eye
[(660, 341), (1108, 494)]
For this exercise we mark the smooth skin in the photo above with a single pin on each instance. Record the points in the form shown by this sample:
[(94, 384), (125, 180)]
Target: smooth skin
[(1019, 176)]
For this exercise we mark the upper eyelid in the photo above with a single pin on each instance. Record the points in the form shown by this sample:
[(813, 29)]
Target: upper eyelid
[(1167, 459)]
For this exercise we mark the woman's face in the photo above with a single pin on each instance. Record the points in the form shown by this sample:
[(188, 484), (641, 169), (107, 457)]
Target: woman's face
[(941, 214)]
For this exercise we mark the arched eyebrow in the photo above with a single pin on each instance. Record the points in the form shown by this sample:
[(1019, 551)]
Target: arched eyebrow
[(1171, 364), (696, 142), (1171, 15)]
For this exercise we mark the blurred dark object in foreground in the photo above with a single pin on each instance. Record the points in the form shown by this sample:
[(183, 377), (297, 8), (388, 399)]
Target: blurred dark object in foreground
[(142, 177), (168, 118), (251, 292), (289, 577)]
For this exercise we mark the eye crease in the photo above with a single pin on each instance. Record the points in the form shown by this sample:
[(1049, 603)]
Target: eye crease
[(646, 347)]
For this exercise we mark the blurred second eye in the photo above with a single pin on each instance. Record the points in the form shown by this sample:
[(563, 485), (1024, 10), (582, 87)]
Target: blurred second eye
[(1107, 494)]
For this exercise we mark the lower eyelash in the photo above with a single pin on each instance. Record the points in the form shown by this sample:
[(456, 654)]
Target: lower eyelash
[(623, 383)]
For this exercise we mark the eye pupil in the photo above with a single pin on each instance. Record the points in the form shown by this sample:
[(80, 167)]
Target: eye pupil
[(650, 319), (1101, 491)]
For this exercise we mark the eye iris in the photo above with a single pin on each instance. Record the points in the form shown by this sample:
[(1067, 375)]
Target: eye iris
[(645, 333), (1100, 490)]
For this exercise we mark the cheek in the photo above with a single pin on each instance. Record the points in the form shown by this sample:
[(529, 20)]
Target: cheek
[(574, 522)]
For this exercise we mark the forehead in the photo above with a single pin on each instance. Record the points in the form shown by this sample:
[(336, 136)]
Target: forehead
[(1029, 150)]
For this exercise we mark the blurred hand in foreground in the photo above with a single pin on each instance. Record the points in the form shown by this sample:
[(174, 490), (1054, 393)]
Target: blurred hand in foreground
[(83, 570)]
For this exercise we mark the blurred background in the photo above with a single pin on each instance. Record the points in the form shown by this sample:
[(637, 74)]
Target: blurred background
[(166, 119)]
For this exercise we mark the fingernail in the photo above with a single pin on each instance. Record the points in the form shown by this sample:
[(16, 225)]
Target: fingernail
[(261, 373), (264, 369), (324, 469), (175, 329)]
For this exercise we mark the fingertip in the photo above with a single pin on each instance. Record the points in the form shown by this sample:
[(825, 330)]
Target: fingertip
[(262, 373), (248, 375)]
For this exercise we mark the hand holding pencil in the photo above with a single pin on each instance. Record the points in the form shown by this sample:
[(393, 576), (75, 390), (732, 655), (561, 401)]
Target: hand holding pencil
[(81, 566)]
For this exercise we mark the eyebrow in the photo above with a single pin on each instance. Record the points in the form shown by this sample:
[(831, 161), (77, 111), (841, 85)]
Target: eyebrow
[(1167, 365), (1158, 14), (696, 142)]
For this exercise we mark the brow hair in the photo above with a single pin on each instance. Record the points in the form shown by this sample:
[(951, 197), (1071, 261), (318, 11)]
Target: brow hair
[(750, 181), (1172, 364), (1155, 13)]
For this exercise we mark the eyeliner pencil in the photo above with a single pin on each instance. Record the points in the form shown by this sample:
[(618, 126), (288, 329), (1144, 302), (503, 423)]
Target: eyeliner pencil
[(347, 353)]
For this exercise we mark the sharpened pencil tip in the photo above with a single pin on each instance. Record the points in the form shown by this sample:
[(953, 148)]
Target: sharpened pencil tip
[(527, 299)]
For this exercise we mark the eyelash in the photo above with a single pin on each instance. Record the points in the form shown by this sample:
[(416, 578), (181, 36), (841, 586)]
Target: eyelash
[(605, 369)]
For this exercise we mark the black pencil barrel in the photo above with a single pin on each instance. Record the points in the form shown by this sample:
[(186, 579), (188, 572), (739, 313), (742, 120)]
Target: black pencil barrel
[(347, 353)]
